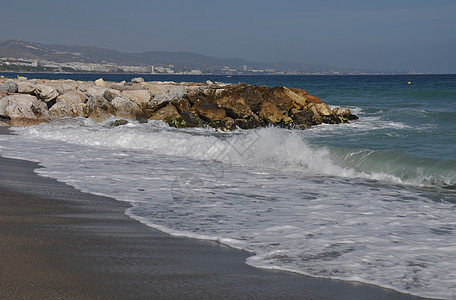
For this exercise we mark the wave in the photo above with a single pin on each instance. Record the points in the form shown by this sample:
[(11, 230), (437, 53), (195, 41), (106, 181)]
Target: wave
[(270, 148)]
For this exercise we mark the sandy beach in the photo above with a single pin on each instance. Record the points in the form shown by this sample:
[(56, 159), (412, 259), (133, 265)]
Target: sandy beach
[(57, 242)]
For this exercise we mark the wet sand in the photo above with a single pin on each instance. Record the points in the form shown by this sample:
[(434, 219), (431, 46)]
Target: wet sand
[(57, 242)]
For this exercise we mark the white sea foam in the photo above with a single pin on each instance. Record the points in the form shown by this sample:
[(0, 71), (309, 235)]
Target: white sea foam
[(266, 191)]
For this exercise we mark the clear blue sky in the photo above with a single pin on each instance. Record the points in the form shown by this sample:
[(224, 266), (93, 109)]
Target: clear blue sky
[(387, 34)]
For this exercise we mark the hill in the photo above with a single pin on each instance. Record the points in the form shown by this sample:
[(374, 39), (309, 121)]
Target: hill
[(179, 60)]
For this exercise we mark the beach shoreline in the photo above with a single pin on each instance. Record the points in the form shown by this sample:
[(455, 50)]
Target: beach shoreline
[(58, 242)]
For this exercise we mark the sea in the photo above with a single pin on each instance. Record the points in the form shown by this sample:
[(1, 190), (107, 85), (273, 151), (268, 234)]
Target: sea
[(373, 201)]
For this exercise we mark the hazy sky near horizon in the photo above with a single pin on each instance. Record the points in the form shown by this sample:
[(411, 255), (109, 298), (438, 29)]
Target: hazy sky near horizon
[(381, 35)]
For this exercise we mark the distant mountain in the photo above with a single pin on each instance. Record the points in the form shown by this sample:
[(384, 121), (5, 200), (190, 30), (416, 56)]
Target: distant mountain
[(180, 60)]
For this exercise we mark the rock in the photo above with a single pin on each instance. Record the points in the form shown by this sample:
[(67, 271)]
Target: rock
[(117, 86), (99, 115), (304, 118), (125, 108), (72, 97), (94, 91), (224, 125), (211, 112), (287, 121), (182, 105), (165, 95), (140, 97), (70, 104), (166, 91), (280, 96), (95, 103), (242, 123), (332, 119), (100, 82), (297, 96), (120, 122), (222, 106), (64, 86), (21, 78), (23, 107), (8, 87), (255, 121), (142, 118), (167, 112), (352, 117), (235, 108), (185, 120), (252, 96), (132, 87), (323, 109), (46, 93), (111, 94), (156, 104), (63, 109), (25, 87), (270, 113), (342, 111), (300, 92)]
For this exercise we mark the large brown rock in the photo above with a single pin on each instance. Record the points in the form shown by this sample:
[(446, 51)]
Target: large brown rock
[(297, 96), (304, 94), (305, 118), (167, 112), (63, 109), (23, 107), (92, 91), (9, 87), (63, 86), (45, 92), (155, 104), (235, 108), (280, 96), (99, 115), (98, 102), (323, 109), (140, 97), (342, 111), (125, 108), (72, 97), (270, 113), (25, 87), (100, 82), (252, 95), (211, 112), (300, 92), (70, 104), (111, 94), (185, 120), (182, 105)]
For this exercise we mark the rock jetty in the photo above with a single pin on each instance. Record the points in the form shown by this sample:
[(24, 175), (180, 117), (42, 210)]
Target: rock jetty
[(25, 102)]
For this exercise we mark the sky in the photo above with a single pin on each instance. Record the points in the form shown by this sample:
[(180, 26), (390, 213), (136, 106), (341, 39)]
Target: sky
[(398, 35)]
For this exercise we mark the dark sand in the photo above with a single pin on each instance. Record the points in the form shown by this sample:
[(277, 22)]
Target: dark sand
[(56, 242)]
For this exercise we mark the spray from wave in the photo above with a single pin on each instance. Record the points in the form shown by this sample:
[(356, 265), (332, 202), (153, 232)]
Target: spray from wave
[(270, 148)]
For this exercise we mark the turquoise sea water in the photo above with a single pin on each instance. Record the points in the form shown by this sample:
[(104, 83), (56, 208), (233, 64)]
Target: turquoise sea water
[(372, 201)]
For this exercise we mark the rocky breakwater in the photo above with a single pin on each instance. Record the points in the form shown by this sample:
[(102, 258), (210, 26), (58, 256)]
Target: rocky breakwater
[(26, 102)]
